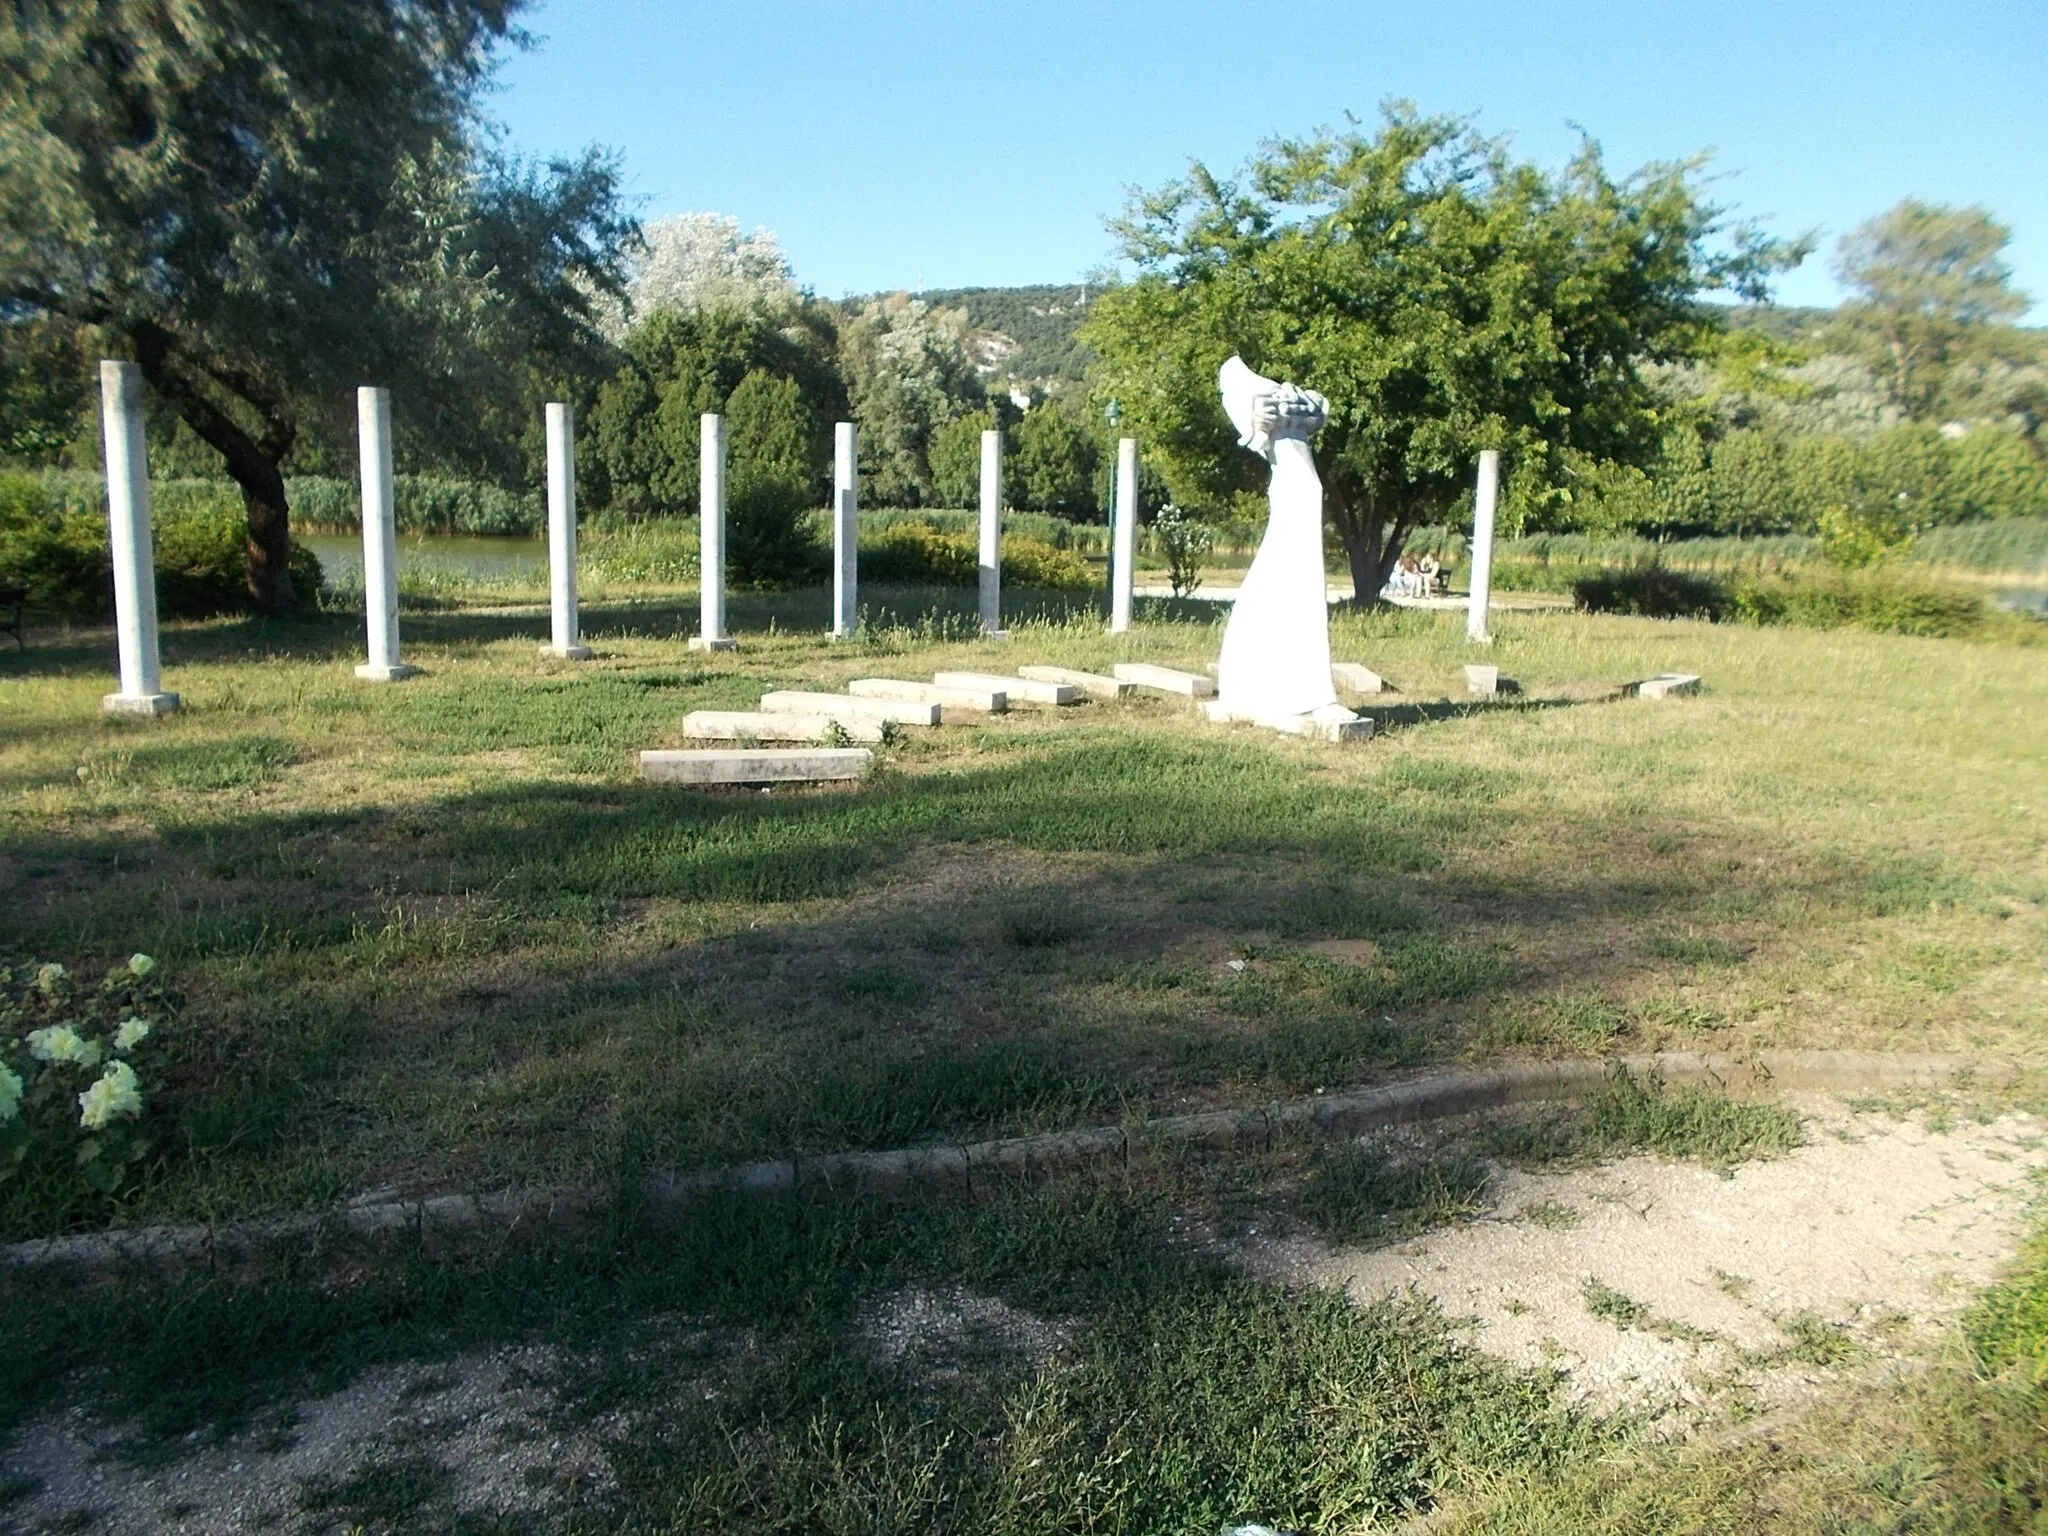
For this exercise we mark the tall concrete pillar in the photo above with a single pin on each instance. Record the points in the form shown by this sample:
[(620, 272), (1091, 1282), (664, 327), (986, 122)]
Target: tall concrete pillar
[(1484, 498), (845, 531), (1124, 541), (711, 538), (142, 690), (380, 538), (567, 642), (991, 560)]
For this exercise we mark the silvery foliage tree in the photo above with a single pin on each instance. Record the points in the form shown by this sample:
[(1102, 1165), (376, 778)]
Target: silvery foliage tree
[(695, 261), (907, 374), (264, 202)]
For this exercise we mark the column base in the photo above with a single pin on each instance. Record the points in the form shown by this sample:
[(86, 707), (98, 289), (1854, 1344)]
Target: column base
[(995, 634), (372, 672), (713, 643), (138, 703), (1333, 722), (573, 653)]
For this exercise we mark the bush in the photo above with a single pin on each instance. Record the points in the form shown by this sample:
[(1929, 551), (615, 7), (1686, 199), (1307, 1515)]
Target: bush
[(1651, 592), (56, 547), (1034, 563), (920, 555), (1881, 600)]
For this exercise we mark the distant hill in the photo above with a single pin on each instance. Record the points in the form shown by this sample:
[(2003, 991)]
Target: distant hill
[(1023, 334)]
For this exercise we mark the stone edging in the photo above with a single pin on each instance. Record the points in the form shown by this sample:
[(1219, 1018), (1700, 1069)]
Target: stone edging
[(1324, 1116)]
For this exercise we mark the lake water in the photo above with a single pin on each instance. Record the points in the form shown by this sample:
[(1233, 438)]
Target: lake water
[(2024, 599), (522, 561)]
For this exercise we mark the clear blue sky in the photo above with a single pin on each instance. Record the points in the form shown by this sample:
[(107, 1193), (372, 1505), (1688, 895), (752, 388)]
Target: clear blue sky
[(892, 144)]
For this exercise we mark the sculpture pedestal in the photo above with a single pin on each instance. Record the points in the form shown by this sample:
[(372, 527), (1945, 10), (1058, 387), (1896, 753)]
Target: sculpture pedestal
[(1333, 722)]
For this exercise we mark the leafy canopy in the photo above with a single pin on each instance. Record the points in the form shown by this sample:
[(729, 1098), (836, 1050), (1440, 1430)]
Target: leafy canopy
[(1445, 297), (265, 202)]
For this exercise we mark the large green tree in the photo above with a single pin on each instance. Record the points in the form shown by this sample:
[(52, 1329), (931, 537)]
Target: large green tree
[(264, 202), (1446, 299), (1929, 281)]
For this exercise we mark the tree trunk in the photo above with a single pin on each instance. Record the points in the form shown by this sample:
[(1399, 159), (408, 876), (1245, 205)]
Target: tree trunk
[(270, 539), (1372, 545), (253, 463)]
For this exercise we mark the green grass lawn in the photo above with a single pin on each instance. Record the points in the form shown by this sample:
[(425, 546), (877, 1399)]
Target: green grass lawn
[(435, 936)]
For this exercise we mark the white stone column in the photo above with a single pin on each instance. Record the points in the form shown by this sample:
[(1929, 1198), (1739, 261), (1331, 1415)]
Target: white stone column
[(380, 538), (991, 561), (1124, 542), (562, 532), (711, 538), (1482, 544), (133, 551), (845, 531)]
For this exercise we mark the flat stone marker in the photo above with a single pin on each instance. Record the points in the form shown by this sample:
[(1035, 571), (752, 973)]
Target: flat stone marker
[(1190, 685), (840, 707), (1662, 686), (750, 725), (1359, 679), (1358, 728), (1482, 680), (774, 765), (1015, 688), (989, 700), (1094, 684)]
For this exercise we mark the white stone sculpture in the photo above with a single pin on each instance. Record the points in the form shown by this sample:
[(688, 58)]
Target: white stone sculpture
[(1275, 668)]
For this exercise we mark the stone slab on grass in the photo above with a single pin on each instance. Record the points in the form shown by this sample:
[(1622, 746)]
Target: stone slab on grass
[(1188, 685), (1017, 689), (1359, 679), (1094, 684), (1484, 681), (840, 706), (1330, 727), (772, 765), (1663, 686), (992, 701), (756, 725)]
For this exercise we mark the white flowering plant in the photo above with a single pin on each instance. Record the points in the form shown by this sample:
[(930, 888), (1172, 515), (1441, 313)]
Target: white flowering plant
[(73, 1054)]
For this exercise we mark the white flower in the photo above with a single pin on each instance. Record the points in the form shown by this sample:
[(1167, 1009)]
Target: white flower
[(116, 1093), (60, 1042), (10, 1093), (131, 1034), (47, 976), (140, 964)]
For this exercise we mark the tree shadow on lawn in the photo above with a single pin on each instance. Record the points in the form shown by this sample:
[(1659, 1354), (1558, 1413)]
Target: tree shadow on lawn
[(523, 985)]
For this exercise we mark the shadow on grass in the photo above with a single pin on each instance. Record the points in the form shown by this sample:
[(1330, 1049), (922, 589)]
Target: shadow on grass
[(509, 985)]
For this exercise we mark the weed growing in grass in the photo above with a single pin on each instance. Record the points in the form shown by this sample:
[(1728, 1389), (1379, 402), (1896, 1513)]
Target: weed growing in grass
[(1632, 1114), (1370, 1192)]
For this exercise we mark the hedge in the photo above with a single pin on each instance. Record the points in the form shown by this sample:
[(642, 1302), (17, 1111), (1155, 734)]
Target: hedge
[(1883, 601)]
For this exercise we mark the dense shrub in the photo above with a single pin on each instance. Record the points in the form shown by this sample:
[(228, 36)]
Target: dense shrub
[(1651, 592), (919, 554), (1883, 600), (58, 550), (1880, 600)]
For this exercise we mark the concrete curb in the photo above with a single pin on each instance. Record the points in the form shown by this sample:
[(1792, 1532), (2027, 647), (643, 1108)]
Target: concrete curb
[(1328, 1116)]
